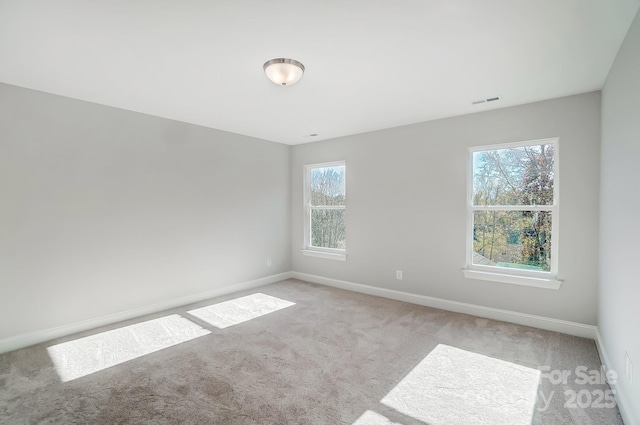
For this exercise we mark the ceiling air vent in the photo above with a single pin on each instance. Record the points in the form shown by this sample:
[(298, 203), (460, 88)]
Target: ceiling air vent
[(487, 100)]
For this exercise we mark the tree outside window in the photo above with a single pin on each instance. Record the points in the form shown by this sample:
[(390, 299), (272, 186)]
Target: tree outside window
[(513, 206), (326, 205)]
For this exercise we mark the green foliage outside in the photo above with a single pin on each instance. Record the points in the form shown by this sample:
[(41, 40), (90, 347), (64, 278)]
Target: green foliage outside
[(328, 224), (518, 176)]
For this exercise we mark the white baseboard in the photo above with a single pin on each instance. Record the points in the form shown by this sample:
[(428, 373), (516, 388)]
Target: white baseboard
[(563, 326), (556, 325), (621, 400), (31, 338)]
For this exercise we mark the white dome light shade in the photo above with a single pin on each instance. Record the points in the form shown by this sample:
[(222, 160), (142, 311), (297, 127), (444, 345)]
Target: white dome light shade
[(283, 72)]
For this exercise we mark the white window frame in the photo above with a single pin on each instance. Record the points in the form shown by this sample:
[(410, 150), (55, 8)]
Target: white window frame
[(540, 279), (316, 251)]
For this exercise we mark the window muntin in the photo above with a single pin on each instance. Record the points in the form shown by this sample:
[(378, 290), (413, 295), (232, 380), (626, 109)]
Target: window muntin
[(325, 206), (513, 202)]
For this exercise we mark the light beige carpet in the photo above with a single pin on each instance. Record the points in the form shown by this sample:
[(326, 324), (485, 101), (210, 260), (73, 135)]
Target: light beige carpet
[(299, 353)]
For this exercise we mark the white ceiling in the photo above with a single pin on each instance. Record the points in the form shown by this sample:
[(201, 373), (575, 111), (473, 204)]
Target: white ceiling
[(370, 64)]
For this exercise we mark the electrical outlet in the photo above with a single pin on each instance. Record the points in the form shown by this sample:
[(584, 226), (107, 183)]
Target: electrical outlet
[(629, 368), (399, 274), (268, 262)]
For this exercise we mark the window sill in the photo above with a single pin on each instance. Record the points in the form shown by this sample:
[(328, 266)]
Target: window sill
[(326, 255), (549, 283)]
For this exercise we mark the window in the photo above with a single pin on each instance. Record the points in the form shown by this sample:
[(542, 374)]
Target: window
[(325, 201), (513, 213)]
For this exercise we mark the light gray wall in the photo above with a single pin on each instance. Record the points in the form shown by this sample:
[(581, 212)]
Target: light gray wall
[(406, 206), (105, 210), (619, 310)]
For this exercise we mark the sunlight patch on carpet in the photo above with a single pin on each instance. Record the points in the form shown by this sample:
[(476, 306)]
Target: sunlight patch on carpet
[(84, 356), (373, 418), (239, 310), (453, 386)]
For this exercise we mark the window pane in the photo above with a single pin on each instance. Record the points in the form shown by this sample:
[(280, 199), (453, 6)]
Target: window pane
[(327, 228), (515, 176), (328, 186), (512, 239)]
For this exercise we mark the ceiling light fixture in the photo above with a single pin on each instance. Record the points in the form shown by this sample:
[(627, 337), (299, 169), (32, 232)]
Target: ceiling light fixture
[(283, 72)]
